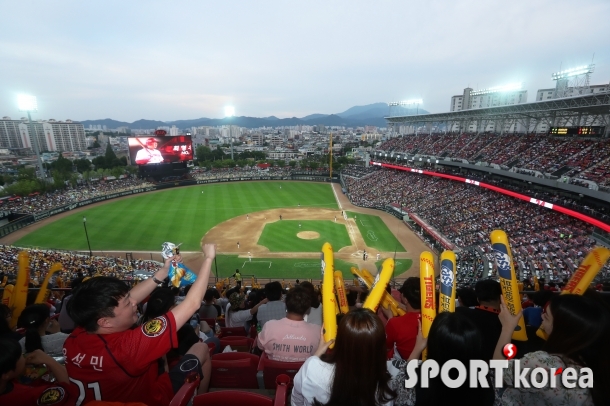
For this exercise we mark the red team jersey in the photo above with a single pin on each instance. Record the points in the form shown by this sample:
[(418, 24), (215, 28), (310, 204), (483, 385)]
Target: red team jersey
[(122, 367), (44, 395)]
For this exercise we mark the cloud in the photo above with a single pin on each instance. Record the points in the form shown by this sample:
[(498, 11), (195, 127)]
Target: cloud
[(180, 60)]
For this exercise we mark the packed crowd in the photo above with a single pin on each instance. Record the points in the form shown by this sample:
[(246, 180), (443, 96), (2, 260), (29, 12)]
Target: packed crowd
[(580, 158), (247, 171), (141, 344), (358, 171), (37, 203), (73, 265), (545, 242)]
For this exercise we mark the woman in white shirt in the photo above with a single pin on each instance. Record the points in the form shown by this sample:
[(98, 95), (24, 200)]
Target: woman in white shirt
[(354, 373), (41, 333)]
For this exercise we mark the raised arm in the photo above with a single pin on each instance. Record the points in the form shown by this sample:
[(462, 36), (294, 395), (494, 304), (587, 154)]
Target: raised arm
[(143, 289), (509, 322), (192, 302)]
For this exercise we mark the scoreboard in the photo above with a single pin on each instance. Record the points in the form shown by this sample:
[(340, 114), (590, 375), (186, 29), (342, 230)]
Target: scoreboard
[(585, 131)]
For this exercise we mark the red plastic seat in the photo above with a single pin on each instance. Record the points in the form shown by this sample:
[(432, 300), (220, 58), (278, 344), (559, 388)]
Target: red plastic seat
[(186, 392), (240, 398), (268, 371), (232, 398), (240, 344), (234, 370), (233, 331)]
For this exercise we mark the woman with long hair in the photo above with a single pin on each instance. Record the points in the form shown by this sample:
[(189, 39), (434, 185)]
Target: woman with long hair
[(451, 336), (354, 373), (41, 332), (579, 333)]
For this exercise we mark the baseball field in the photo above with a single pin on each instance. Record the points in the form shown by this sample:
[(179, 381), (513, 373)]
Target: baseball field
[(267, 229)]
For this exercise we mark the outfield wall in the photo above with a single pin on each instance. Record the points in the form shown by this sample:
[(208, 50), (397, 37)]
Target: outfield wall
[(25, 220)]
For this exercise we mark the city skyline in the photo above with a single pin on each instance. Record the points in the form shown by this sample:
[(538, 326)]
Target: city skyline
[(153, 60)]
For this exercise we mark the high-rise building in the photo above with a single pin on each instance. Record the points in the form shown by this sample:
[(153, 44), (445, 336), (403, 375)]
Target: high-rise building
[(54, 135), (9, 133), (547, 94), (492, 97)]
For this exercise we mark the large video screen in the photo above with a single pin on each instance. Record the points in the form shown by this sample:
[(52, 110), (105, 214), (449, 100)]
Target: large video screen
[(157, 150)]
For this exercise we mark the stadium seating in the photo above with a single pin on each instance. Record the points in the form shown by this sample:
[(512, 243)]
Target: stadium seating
[(239, 398), (234, 370), (186, 392), (232, 331), (237, 343), (269, 371)]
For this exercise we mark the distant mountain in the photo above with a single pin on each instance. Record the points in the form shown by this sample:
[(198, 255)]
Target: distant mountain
[(313, 116), (373, 110), (357, 116), (108, 122)]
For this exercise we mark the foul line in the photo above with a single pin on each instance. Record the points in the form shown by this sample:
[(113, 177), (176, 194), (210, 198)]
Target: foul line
[(336, 197), (246, 262)]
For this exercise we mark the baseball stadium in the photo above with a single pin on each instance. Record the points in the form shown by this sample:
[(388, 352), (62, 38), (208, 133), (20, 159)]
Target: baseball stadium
[(493, 244)]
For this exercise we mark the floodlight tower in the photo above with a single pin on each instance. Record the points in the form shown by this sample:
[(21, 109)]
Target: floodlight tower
[(394, 106), (576, 78), (29, 103)]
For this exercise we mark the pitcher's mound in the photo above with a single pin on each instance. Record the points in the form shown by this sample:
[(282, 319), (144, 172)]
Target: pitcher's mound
[(308, 235)]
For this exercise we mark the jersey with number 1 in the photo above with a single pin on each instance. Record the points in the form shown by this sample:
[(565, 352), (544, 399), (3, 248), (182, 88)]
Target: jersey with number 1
[(122, 367)]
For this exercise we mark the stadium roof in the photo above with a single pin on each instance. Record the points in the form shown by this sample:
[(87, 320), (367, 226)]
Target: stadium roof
[(590, 107)]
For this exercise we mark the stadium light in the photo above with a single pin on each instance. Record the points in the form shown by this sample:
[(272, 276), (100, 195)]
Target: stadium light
[(498, 89), (581, 70), (29, 103), (229, 111), (406, 102)]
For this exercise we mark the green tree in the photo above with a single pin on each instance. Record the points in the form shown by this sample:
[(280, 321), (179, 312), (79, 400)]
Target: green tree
[(26, 174), (82, 165), (117, 171), (96, 144), (109, 155), (313, 165), (203, 153), (99, 162), (281, 163), (292, 164)]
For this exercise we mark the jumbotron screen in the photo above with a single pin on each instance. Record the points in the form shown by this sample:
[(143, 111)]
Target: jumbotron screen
[(158, 150)]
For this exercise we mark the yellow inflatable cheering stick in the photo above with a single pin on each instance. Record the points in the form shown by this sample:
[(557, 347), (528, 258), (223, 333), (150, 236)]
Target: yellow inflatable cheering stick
[(446, 299), (341, 296), (20, 293), (387, 301), (44, 289), (508, 279), (328, 296), (582, 278), (378, 289), (427, 292)]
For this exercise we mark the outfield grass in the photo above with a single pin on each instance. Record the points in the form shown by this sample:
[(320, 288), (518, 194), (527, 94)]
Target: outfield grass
[(375, 233), (275, 268), (281, 236), (401, 265), (185, 214)]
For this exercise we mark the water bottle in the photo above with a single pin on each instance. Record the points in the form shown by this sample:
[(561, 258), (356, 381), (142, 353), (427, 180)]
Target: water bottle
[(217, 328), (258, 327)]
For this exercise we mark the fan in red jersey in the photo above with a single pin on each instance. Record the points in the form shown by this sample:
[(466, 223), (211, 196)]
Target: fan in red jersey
[(12, 365), (111, 360)]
